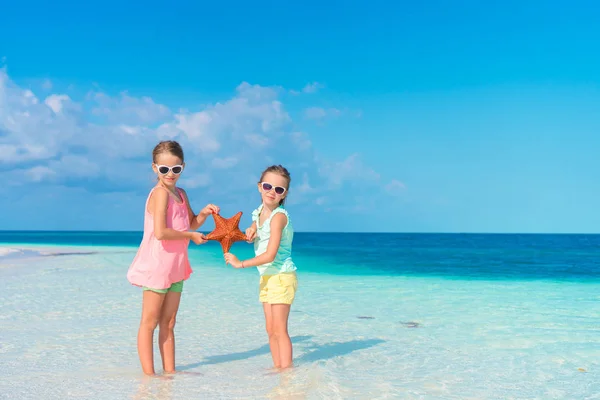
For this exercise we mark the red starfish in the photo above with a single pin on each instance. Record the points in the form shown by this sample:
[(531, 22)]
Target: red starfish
[(227, 231)]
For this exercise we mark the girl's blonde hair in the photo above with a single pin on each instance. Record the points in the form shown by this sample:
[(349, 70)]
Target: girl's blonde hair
[(167, 146)]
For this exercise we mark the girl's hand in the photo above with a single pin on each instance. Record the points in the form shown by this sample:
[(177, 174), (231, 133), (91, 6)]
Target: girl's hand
[(250, 235), (198, 238), (232, 260), (209, 209)]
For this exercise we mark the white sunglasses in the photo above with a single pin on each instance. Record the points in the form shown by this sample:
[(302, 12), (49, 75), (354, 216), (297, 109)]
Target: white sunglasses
[(266, 186), (164, 169)]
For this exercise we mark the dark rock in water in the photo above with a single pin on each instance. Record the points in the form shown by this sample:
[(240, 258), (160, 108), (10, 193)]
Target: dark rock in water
[(363, 317), (74, 253), (410, 324)]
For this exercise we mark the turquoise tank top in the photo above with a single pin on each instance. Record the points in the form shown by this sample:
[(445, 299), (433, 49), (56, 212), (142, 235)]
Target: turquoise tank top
[(283, 259)]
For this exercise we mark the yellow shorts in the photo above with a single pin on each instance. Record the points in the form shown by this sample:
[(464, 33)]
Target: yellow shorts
[(278, 289)]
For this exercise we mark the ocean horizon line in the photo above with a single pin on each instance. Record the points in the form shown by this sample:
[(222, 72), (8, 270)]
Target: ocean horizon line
[(21, 231)]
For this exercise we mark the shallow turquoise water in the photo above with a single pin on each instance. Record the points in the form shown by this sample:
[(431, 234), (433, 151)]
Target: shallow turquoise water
[(423, 318)]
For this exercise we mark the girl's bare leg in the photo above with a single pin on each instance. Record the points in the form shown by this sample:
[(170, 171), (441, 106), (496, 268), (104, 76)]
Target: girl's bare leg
[(272, 339), (166, 334), (280, 314), (151, 306)]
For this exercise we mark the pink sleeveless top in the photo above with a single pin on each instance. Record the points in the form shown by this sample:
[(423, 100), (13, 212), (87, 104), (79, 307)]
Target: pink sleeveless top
[(160, 263)]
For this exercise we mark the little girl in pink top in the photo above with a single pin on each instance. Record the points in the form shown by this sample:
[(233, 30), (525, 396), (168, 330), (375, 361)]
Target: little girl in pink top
[(161, 263)]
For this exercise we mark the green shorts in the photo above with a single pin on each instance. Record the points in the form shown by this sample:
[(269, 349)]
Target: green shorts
[(177, 287)]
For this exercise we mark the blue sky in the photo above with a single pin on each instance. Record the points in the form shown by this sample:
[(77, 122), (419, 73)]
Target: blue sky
[(445, 117)]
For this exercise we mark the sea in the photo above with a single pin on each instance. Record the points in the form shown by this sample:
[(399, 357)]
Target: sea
[(377, 316)]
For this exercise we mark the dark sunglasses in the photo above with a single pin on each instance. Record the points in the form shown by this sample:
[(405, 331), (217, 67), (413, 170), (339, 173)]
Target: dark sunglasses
[(267, 187), (164, 169)]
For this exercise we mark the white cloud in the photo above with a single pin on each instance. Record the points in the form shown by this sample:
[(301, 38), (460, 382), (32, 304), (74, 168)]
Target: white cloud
[(319, 113), (167, 131), (104, 143), (128, 109), (258, 93), (75, 166), (312, 87), (305, 187), (395, 187), (197, 128), (29, 98), (351, 169), (315, 113), (68, 167), (195, 181), (301, 140), (256, 140), (55, 101), (131, 130), (302, 191), (253, 117), (40, 173), (224, 163), (11, 153), (32, 129), (309, 88)]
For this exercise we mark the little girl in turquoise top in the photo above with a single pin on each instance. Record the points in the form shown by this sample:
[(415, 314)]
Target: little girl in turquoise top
[(272, 234)]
